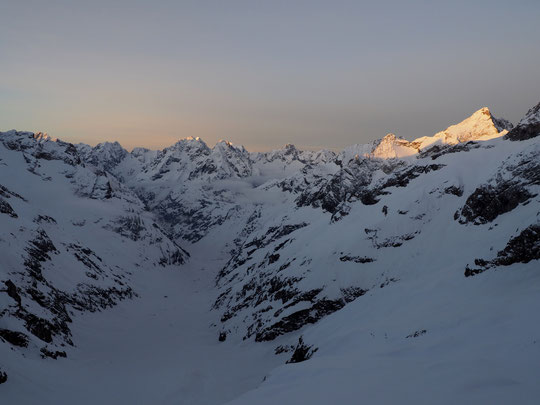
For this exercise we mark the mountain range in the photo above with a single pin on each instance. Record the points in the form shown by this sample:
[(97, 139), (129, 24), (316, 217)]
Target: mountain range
[(394, 271)]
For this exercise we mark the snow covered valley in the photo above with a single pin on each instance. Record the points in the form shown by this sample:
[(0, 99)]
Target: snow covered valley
[(156, 349), (393, 272)]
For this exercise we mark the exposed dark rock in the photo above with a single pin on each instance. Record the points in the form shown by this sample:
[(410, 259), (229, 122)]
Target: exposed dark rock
[(7, 193), (437, 151), (178, 256), (300, 318), (282, 289), (12, 291), (488, 202), (222, 336), (393, 241), (284, 266), (501, 124), (388, 281), (281, 245), (302, 352), (417, 333), (284, 349), (15, 338), (38, 250), (352, 293), (190, 220), (130, 227), (7, 209), (71, 154), (528, 128), (356, 259), (308, 296), (273, 258), (106, 155), (472, 272), (457, 191), (3, 377), (44, 218), (244, 251), (354, 183), (402, 178), (511, 186), (273, 234), (53, 301), (52, 354), (92, 298), (521, 133), (520, 249), (40, 328), (43, 245), (86, 256), (351, 182)]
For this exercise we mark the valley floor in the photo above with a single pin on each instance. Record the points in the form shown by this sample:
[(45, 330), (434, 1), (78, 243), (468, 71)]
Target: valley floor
[(155, 349)]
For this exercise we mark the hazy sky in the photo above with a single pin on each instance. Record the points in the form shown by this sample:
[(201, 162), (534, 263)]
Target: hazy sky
[(263, 73)]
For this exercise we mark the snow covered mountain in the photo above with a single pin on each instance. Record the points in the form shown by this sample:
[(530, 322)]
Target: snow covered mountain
[(384, 258), (71, 236)]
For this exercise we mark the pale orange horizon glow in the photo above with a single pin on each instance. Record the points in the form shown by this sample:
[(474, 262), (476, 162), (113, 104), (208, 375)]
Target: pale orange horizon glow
[(262, 74)]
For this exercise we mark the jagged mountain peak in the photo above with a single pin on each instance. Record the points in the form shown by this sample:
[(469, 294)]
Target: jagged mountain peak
[(38, 136), (288, 152), (532, 116), (40, 146), (108, 148), (391, 147), (105, 155), (224, 144), (289, 148), (226, 161), (43, 136), (483, 111), (189, 143), (109, 144), (388, 147), (481, 125), (528, 127), (502, 124)]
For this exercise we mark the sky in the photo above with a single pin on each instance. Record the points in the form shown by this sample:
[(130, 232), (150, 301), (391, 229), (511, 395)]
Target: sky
[(318, 74)]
